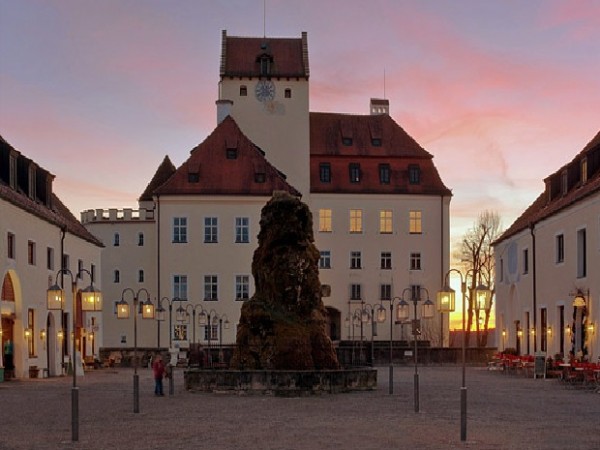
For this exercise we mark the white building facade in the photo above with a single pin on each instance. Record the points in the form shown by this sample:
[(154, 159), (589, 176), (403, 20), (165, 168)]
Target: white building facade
[(37, 233), (548, 266), (380, 209)]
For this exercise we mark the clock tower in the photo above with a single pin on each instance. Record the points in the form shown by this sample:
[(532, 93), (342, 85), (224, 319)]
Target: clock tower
[(264, 82)]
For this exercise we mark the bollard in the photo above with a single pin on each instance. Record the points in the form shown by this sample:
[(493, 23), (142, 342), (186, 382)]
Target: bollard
[(171, 380)]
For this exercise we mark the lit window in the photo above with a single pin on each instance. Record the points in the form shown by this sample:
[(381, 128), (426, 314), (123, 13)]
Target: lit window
[(180, 332), (385, 221), (356, 221), (325, 220), (415, 225)]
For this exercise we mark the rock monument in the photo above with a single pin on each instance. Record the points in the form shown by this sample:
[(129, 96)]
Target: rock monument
[(282, 327)]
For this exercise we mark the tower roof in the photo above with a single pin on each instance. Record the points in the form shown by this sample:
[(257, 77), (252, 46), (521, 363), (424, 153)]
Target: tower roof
[(162, 174)]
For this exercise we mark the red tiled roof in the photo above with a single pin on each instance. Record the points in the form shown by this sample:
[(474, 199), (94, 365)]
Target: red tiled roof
[(163, 173), (541, 208), (218, 175), (240, 56), (396, 148)]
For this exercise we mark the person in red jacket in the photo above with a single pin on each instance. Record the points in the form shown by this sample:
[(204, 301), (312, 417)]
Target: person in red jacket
[(158, 369)]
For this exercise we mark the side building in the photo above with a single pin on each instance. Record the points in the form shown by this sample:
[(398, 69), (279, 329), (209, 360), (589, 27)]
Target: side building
[(548, 266), (39, 236), (380, 209)]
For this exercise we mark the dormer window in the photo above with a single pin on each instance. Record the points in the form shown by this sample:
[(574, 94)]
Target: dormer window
[(347, 141), (193, 177), (266, 62), (414, 174), (376, 142), (584, 170), (260, 177), (31, 180), (232, 153), (354, 169), (564, 178)]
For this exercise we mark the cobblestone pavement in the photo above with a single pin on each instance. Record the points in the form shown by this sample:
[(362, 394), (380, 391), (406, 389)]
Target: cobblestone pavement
[(504, 412)]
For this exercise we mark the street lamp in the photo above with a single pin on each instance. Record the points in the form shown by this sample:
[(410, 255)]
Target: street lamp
[(426, 313), (183, 315), (368, 315), (160, 316), (146, 308), (223, 322), (55, 300), (447, 296)]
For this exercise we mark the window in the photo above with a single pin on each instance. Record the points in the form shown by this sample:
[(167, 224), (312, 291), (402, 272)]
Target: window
[(93, 272), (10, 245), (31, 253), (356, 221), (354, 172), (325, 259), (66, 262), (116, 240), (116, 276), (259, 177), (415, 261), (584, 170), (211, 287), (355, 292), (581, 254), (79, 269), (140, 239), (386, 260), (385, 291), (231, 153), (385, 221), (325, 172), (180, 333), (355, 260), (210, 230), (243, 90), (50, 258), (179, 230), (193, 177), (525, 261), (325, 220), (288, 93), (564, 178), (544, 329), (213, 332), (376, 142), (560, 248), (180, 287), (141, 276), (242, 287), (384, 173), (414, 174), (31, 328), (242, 230), (347, 141), (415, 225), (415, 292)]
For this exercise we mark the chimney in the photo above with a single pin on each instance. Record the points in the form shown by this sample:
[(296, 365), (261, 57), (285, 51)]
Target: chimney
[(379, 106), (223, 109)]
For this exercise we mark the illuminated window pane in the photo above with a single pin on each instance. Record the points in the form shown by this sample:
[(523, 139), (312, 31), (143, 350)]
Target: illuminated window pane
[(355, 221), (415, 226), (385, 221), (325, 220)]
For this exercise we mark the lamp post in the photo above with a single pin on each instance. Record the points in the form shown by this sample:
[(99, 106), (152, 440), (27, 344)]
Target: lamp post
[(91, 300), (447, 296), (147, 310), (426, 313), (184, 317), (205, 319), (368, 315), (160, 316), (223, 322), (381, 315)]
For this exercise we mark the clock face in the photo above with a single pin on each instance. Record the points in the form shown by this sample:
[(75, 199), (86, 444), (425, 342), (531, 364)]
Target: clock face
[(265, 91)]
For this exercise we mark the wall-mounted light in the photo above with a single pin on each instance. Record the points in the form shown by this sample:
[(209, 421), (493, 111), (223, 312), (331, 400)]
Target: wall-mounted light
[(504, 333), (549, 331), (532, 331), (42, 334), (60, 334), (568, 329), (591, 328), (27, 333), (520, 333)]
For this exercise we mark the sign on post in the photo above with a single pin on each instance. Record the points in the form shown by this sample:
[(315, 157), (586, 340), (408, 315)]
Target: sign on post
[(539, 367)]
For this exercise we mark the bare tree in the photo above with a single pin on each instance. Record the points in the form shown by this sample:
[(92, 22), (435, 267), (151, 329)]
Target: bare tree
[(475, 252)]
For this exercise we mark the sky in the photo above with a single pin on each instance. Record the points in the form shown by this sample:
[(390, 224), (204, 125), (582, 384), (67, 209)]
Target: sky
[(502, 93)]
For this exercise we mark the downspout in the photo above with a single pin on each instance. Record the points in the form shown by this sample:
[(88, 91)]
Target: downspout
[(442, 268), (158, 240), (534, 282), (63, 233)]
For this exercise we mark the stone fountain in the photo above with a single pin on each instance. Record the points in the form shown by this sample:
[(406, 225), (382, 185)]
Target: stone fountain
[(282, 346)]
